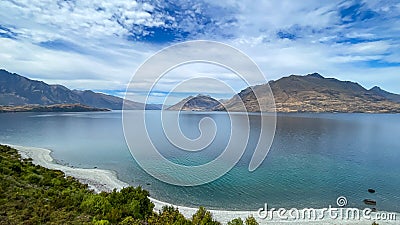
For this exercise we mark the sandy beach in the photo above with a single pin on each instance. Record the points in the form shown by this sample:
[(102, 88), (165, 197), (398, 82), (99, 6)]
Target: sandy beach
[(106, 180)]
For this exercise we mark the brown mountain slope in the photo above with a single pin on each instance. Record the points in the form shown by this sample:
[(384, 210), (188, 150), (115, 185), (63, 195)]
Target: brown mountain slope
[(314, 93), (17, 90), (196, 103)]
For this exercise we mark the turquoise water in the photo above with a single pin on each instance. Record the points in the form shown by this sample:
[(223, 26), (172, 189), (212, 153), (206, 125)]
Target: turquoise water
[(314, 159)]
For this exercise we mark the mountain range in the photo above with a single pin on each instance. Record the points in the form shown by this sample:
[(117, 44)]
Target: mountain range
[(308, 93), (17, 90), (294, 93)]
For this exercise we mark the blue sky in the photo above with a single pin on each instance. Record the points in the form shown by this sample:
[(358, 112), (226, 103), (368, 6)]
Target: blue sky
[(99, 45)]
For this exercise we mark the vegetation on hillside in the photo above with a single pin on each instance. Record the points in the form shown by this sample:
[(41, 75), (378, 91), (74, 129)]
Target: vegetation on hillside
[(32, 194), (51, 108)]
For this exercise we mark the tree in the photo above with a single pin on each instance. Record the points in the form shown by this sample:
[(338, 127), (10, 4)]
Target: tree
[(96, 204), (132, 202), (203, 217), (170, 216), (251, 220), (130, 221), (237, 221)]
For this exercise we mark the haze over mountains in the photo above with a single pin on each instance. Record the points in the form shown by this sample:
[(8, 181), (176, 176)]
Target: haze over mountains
[(17, 90), (295, 93)]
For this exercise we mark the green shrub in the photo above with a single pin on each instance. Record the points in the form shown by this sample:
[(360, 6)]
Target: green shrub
[(203, 217), (96, 205), (101, 222), (237, 221), (251, 221), (130, 221), (33, 178)]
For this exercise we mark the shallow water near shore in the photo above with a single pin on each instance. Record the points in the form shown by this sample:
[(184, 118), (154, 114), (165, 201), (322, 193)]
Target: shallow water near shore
[(314, 159)]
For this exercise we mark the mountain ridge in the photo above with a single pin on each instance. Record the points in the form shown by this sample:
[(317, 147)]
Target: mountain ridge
[(391, 96), (294, 93), (17, 90), (312, 93), (195, 103)]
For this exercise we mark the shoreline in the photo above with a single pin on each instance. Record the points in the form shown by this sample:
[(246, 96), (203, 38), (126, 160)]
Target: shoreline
[(106, 180)]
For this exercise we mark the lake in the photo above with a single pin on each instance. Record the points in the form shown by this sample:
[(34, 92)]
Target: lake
[(314, 158)]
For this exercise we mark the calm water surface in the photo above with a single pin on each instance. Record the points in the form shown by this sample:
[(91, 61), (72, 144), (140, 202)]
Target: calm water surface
[(314, 157)]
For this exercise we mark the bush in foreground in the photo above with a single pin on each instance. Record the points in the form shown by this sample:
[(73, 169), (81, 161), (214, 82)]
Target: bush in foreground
[(31, 194)]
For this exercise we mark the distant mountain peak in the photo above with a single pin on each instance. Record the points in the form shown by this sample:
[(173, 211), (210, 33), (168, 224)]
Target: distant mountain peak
[(316, 75), (390, 96), (376, 88), (202, 96), (199, 102)]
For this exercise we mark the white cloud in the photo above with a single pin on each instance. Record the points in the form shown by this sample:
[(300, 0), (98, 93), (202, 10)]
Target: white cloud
[(95, 44), (74, 70), (374, 47), (40, 20)]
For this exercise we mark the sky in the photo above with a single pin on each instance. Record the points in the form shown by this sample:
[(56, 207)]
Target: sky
[(98, 45)]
